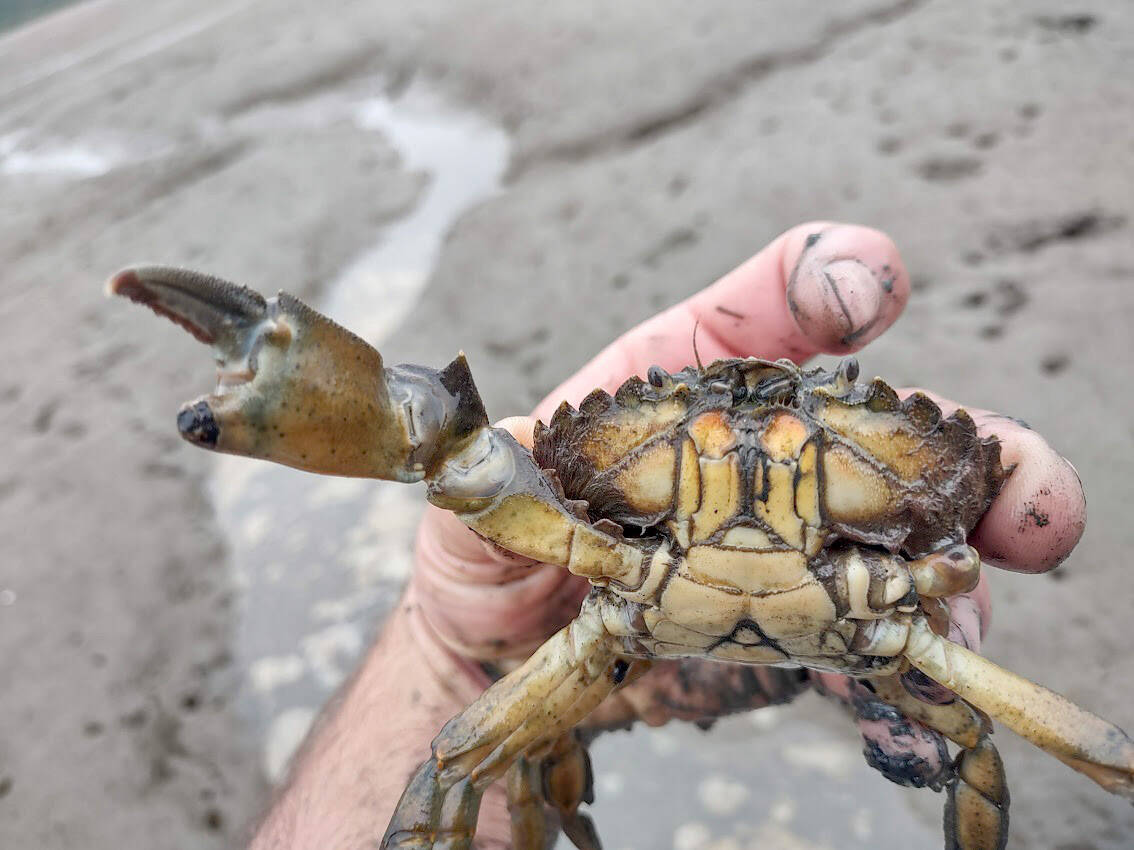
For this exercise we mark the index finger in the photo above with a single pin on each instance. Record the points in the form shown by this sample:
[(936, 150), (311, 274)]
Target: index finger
[(819, 287)]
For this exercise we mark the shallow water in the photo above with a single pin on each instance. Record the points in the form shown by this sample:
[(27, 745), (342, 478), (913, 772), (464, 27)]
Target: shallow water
[(14, 13), (319, 561)]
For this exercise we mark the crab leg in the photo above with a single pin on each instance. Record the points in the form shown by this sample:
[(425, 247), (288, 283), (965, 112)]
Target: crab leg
[(292, 386), (1072, 734), (526, 805), (568, 782), (537, 702), (976, 809), (561, 778), (295, 388)]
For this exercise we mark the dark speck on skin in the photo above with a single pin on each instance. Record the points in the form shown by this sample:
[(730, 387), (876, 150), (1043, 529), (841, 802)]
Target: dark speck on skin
[(1040, 519), (812, 239), (729, 312)]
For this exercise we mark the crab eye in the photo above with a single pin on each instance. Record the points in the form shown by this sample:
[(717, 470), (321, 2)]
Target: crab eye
[(657, 376)]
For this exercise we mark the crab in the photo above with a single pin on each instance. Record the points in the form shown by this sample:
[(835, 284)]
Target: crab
[(749, 512)]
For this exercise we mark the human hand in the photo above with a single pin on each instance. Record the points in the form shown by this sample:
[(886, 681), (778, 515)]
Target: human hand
[(800, 296), (818, 288)]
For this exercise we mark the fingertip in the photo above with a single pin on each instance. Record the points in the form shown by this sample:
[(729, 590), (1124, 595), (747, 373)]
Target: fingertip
[(520, 427), (1041, 511), (846, 284)]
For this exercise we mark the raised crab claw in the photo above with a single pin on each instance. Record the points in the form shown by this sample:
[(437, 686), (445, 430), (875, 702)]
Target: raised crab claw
[(792, 517)]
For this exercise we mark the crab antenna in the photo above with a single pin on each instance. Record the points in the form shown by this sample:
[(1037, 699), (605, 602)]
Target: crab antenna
[(696, 354)]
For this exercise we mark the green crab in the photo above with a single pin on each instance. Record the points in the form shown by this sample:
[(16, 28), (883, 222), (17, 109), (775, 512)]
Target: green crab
[(780, 516)]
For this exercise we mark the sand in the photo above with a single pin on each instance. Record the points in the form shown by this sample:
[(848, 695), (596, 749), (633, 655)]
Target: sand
[(651, 147)]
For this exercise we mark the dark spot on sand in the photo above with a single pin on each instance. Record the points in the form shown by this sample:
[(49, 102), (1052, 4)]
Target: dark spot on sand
[(44, 416), (1073, 24), (1055, 363), (889, 145), (134, 719), (1012, 297), (992, 331), (947, 169), (214, 820), (974, 300)]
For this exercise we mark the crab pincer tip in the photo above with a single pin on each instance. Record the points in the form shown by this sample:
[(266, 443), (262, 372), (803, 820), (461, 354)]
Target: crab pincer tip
[(124, 282), (198, 425)]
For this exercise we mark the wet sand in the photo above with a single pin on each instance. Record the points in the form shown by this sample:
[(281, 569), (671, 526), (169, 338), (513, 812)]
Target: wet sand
[(651, 148)]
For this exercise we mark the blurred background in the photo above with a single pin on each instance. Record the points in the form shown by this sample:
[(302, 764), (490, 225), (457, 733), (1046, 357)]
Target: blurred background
[(523, 181)]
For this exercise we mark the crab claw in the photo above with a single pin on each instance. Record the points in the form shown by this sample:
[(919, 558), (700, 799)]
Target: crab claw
[(293, 386)]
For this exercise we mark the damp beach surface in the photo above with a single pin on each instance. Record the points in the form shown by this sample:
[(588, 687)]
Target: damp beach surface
[(523, 184)]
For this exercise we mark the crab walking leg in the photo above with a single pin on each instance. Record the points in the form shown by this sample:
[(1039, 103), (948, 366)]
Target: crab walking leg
[(976, 809), (526, 805), (496, 488), (953, 570), (1082, 740), (567, 782), (562, 778), (551, 691), (955, 720)]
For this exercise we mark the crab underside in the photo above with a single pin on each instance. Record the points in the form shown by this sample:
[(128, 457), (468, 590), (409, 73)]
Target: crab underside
[(749, 512)]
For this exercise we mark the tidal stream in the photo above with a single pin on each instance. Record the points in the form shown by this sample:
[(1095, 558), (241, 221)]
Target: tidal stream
[(319, 562)]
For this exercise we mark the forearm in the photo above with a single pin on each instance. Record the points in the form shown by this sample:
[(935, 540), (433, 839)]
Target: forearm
[(349, 773)]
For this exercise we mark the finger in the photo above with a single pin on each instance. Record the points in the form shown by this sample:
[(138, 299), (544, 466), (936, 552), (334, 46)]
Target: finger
[(1041, 511), (970, 615), (902, 749), (819, 287)]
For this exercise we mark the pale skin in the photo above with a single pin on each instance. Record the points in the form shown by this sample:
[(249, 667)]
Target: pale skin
[(469, 603)]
